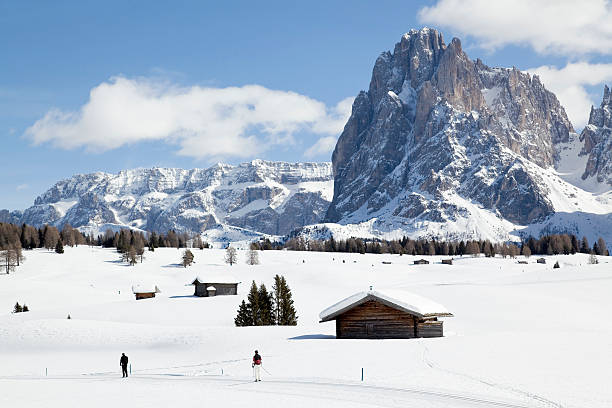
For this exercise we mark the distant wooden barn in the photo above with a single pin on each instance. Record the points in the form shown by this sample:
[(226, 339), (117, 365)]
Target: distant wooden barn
[(386, 315), (541, 261), (208, 286), (421, 262), (447, 261), (143, 291)]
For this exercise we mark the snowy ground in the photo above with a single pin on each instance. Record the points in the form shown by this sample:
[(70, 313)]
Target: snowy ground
[(522, 335)]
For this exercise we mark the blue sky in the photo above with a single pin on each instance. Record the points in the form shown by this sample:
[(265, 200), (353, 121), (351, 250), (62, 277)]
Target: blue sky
[(282, 72)]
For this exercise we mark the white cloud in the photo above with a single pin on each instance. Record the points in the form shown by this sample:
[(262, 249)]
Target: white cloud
[(563, 27), (22, 187), (323, 146), (569, 82), (337, 118), (202, 121)]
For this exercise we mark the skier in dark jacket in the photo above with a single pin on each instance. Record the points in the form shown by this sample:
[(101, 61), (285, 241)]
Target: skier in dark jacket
[(123, 362), (257, 366)]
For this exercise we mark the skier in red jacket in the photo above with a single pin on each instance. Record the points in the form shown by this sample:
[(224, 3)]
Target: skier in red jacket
[(257, 366)]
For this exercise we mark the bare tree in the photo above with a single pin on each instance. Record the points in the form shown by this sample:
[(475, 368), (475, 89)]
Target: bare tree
[(252, 257), (601, 245), (187, 258), (130, 256), (231, 255), (50, 237), (513, 251), (139, 246), (526, 251), (10, 258)]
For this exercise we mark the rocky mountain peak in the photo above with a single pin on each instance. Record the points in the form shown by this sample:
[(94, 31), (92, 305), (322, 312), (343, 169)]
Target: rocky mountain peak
[(435, 124), (597, 139)]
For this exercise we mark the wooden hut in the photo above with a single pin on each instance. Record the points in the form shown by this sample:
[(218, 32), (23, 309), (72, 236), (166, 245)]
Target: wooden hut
[(208, 286), (386, 315), (447, 261), (541, 261), (421, 262), (143, 291)]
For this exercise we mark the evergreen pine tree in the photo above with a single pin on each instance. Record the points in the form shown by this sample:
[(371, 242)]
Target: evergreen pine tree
[(17, 308), (244, 317), (59, 247), (266, 309), (288, 315), (277, 293), (584, 246), (253, 305), (25, 308)]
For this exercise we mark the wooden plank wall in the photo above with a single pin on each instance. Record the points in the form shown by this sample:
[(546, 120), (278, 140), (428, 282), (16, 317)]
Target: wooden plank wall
[(374, 320), (222, 289)]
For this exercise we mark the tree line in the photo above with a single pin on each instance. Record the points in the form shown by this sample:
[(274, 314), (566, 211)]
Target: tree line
[(553, 244), (14, 239)]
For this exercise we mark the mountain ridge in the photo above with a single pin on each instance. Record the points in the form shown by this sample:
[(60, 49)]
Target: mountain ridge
[(250, 195)]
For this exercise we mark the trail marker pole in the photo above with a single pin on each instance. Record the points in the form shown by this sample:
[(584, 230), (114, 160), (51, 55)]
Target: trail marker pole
[(361, 373), (130, 368), (46, 372)]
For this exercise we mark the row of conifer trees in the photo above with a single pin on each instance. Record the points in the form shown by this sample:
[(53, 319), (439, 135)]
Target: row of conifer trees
[(264, 308), (553, 244)]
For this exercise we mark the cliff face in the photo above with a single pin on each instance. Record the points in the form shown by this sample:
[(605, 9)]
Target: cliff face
[(267, 197), (597, 139), (437, 131)]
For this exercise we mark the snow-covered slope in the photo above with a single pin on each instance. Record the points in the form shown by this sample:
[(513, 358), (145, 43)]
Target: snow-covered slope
[(261, 196), (522, 336)]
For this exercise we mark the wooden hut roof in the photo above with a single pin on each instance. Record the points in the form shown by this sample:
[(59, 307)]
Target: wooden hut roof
[(145, 288), (397, 299), (210, 279)]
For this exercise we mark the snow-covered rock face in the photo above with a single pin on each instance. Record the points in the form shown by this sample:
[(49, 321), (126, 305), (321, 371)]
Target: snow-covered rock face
[(439, 137), (267, 197), (597, 139)]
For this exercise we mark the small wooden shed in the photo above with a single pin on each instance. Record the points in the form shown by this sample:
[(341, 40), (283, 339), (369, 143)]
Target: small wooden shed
[(541, 261), (143, 291), (391, 314), (447, 261), (208, 286), (421, 262)]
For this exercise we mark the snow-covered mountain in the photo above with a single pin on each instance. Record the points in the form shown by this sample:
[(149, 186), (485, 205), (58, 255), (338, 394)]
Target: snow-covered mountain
[(439, 146), (267, 197), (444, 146)]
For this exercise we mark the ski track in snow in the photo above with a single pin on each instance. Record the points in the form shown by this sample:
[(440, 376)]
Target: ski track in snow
[(488, 382), (355, 394)]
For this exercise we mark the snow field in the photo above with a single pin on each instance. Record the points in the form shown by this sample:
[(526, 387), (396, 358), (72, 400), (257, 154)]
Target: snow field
[(522, 335)]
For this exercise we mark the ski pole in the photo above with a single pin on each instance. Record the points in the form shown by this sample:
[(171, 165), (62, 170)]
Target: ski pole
[(262, 367)]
